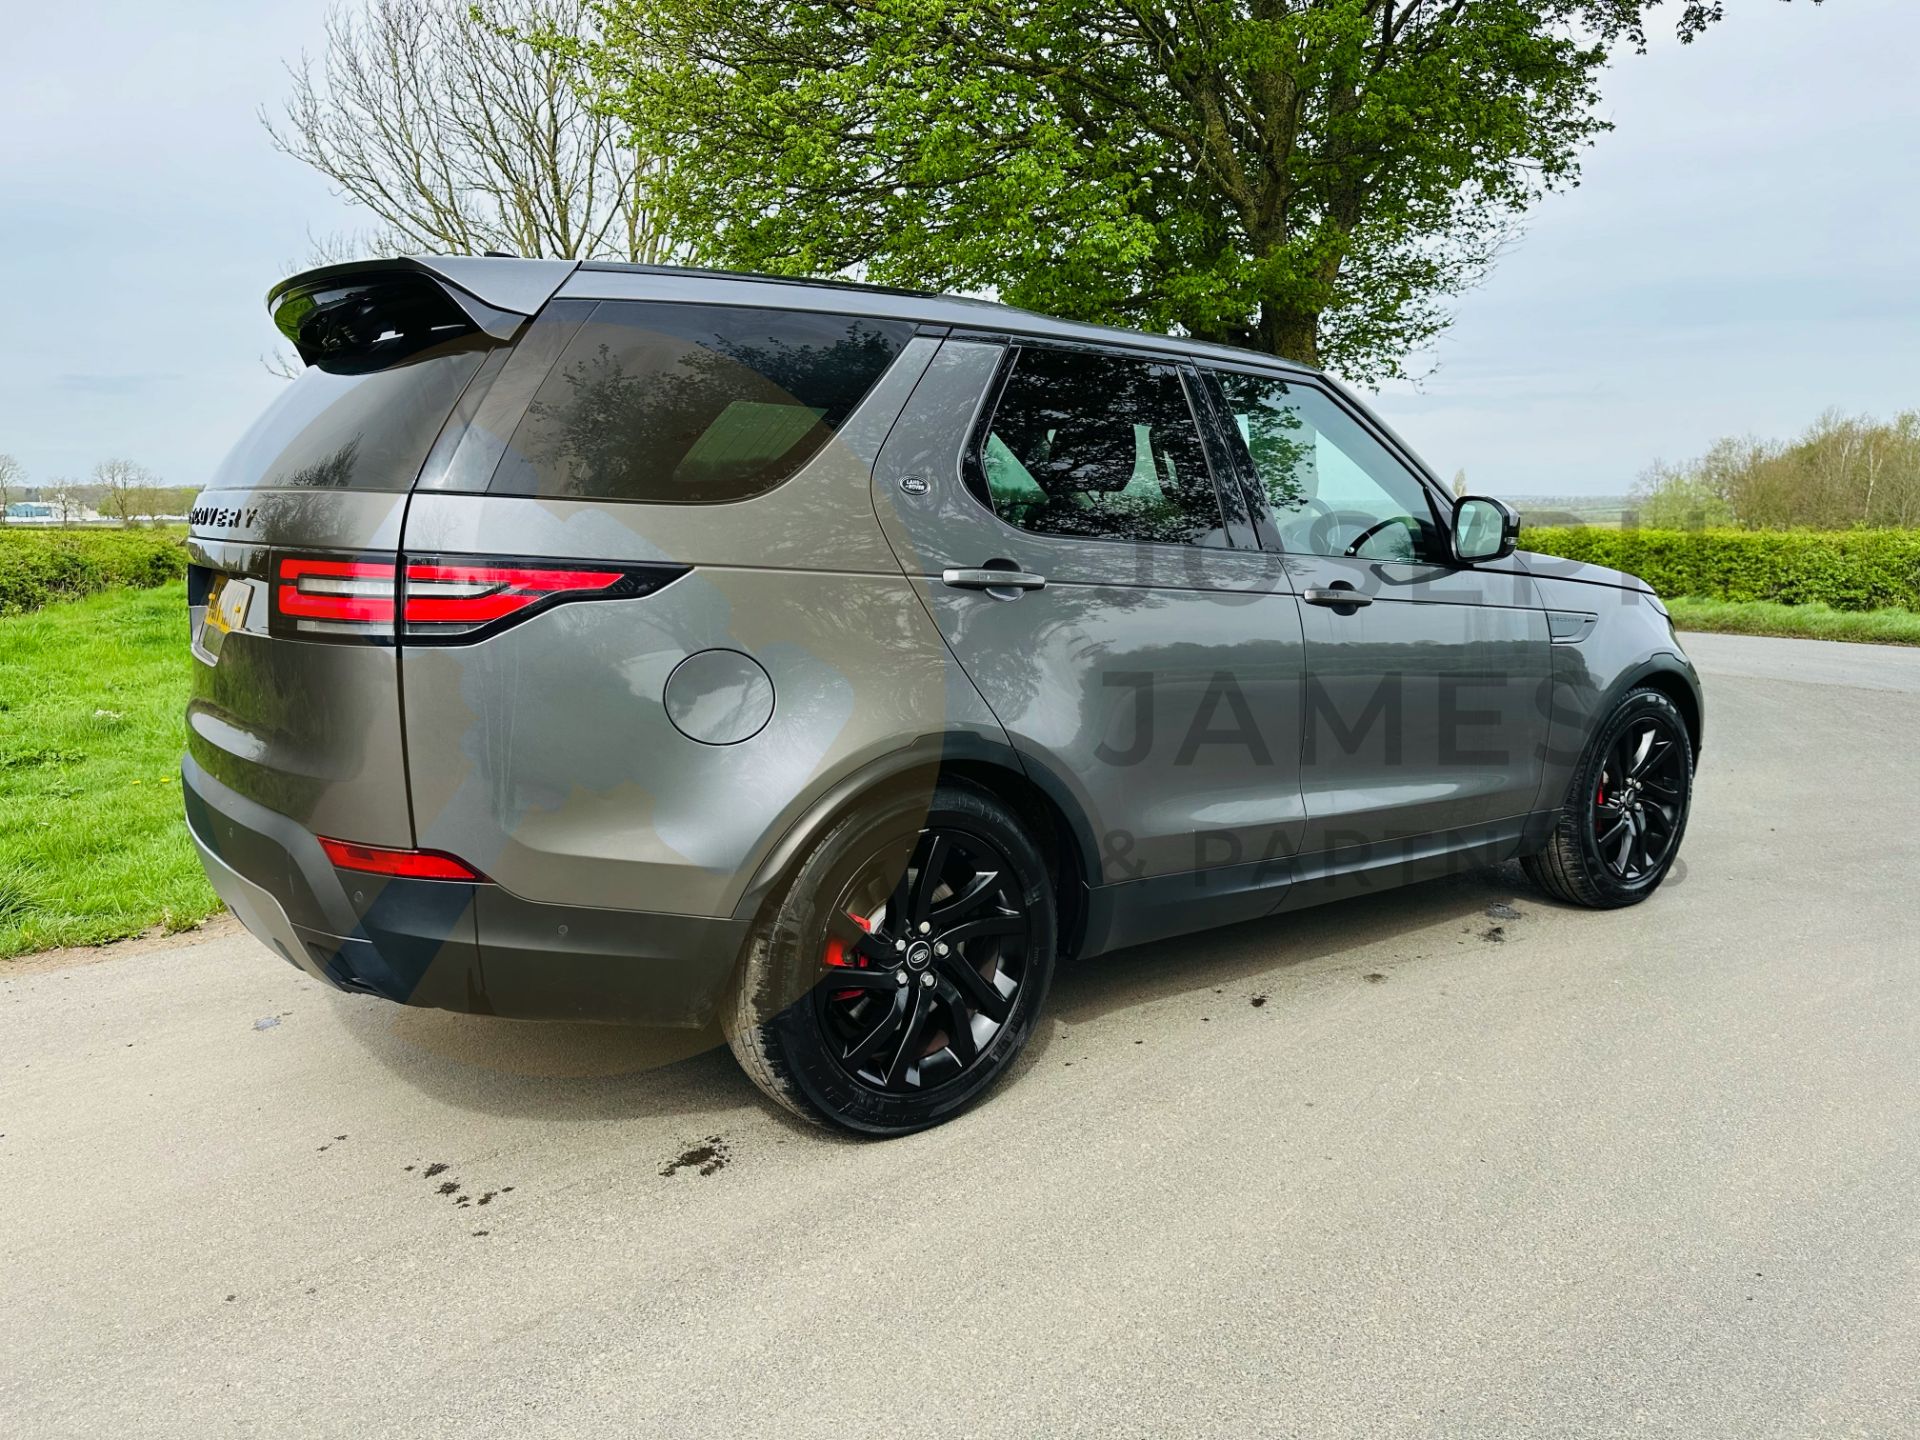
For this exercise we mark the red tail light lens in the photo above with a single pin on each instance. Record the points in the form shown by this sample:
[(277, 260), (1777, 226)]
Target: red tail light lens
[(444, 599), (405, 864), (316, 596)]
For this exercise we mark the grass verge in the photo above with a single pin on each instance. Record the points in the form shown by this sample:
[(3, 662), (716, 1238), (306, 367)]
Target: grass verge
[(92, 702), (1806, 622)]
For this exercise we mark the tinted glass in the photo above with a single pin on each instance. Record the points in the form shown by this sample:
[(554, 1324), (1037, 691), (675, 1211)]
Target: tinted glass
[(693, 404), (346, 427), (1099, 446), (1333, 489)]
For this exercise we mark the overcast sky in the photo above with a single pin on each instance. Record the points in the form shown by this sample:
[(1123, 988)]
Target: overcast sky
[(1741, 255)]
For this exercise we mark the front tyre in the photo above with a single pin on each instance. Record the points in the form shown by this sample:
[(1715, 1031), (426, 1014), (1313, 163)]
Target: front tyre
[(1621, 826), (902, 968)]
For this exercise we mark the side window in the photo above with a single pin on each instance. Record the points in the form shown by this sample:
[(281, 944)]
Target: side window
[(1333, 489), (692, 404), (1100, 447)]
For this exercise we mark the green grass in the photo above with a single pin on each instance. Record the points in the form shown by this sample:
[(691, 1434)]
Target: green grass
[(1811, 622), (92, 845)]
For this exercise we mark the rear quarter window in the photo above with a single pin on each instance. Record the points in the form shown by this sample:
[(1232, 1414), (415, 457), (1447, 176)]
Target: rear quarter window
[(693, 404)]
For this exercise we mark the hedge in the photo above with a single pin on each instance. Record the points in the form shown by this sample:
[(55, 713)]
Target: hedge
[(41, 565), (1848, 569)]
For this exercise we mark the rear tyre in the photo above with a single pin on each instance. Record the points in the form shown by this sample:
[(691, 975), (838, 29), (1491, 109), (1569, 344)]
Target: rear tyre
[(1626, 813), (902, 968)]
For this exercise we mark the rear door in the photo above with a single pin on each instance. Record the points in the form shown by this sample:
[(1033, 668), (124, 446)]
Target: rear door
[(1059, 514), (295, 696), (1425, 706)]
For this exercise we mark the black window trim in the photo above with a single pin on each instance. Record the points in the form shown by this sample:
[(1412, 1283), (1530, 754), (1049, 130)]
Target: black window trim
[(1438, 498), (973, 465)]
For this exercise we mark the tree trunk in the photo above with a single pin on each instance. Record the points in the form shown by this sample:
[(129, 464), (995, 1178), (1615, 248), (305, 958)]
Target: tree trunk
[(1290, 334)]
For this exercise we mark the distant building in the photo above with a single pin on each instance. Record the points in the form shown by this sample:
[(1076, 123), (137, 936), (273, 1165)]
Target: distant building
[(51, 512)]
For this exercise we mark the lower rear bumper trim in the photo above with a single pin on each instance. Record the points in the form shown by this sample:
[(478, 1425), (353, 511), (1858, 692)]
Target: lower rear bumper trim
[(471, 948)]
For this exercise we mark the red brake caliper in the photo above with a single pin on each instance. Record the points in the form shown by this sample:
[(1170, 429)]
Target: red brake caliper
[(837, 954)]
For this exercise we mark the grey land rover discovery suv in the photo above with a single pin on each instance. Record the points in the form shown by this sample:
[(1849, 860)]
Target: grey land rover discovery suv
[(606, 642)]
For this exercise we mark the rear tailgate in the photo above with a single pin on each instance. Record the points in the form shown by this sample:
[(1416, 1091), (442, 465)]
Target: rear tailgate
[(295, 700)]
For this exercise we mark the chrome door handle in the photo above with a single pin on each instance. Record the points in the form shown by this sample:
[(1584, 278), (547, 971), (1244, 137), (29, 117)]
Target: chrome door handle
[(992, 580), (1340, 597)]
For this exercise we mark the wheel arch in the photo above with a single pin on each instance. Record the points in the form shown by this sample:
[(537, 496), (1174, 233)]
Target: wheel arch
[(1053, 817), (1673, 678)]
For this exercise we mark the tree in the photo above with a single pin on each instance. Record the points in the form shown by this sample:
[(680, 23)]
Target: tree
[(456, 136), (125, 489), (1843, 472), (12, 472), (1314, 178)]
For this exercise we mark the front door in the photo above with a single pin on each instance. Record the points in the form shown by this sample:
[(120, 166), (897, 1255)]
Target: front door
[(1056, 509), (1426, 703)]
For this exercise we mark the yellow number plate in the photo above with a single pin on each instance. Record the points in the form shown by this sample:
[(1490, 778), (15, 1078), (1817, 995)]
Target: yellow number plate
[(227, 605)]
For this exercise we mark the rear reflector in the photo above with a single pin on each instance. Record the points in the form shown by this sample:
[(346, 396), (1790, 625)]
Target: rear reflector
[(405, 864), (443, 599)]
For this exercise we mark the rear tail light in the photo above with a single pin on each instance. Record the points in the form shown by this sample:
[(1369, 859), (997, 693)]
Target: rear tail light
[(403, 864), (314, 596), (453, 599), (438, 599)]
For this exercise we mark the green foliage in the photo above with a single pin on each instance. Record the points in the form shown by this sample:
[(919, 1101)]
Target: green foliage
[(1842, 471), (1850, 570), (1807, 622), (1679, 498), (1314, 178), (43, 564), (92, 722)]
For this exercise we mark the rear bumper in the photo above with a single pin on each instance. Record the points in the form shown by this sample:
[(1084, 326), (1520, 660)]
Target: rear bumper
[(451, 946)]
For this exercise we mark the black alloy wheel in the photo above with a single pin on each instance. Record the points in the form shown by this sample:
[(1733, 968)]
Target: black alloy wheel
[(1619, 830), (923, 963), (902, 967), (1638, 798)]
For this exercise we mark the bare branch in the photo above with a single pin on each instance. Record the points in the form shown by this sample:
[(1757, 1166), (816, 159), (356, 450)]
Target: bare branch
[(456, 134)]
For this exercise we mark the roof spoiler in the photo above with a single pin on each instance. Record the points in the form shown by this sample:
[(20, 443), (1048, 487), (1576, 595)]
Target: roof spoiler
[(386, 309)]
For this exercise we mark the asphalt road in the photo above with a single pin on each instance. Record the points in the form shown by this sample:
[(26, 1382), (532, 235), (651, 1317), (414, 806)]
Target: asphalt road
[(1393, 1167)]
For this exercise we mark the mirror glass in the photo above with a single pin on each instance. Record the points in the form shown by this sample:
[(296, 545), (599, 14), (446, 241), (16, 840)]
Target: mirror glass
[(1479, 530)]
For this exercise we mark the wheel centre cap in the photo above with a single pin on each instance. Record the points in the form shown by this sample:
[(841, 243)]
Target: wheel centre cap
[(919, 955)]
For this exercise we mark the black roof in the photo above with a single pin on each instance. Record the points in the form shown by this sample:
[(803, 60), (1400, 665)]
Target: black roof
[(929, 308)]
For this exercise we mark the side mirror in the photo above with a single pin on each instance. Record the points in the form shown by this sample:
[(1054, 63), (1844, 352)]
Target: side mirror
[(1484, 530)]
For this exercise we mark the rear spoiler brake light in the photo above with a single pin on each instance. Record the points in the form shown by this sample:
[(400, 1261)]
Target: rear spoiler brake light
[(365, 318), (437, 599), (369, 313)]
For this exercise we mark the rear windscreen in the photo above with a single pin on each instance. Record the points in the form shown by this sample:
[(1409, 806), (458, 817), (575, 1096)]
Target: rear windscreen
[(344, 426), (693, 404)]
